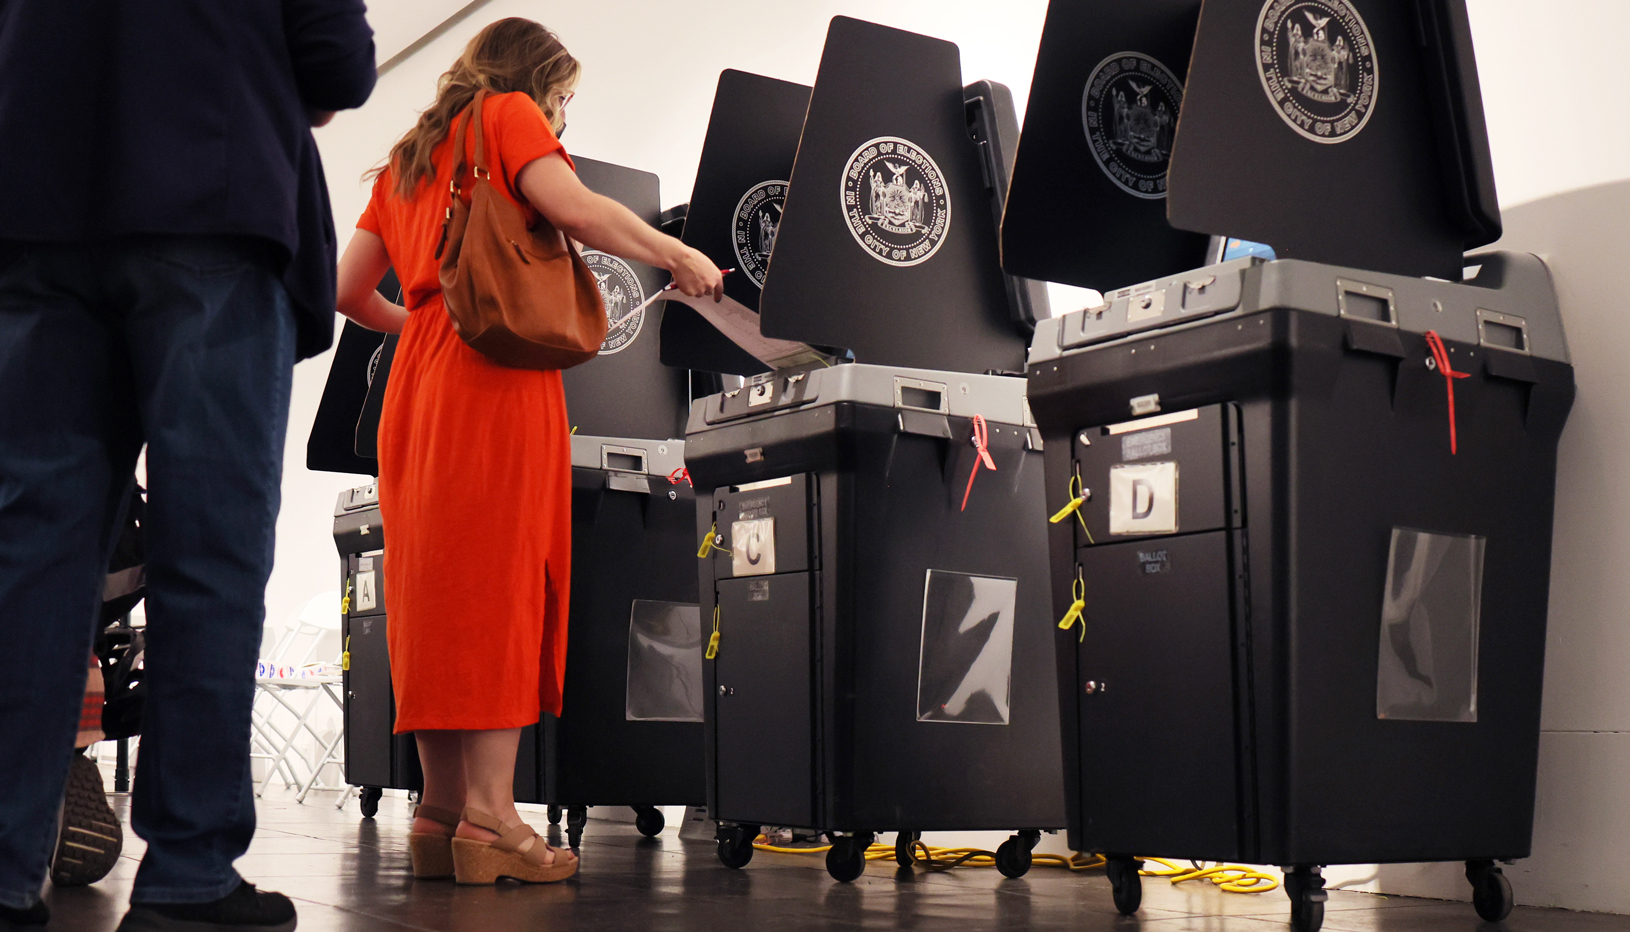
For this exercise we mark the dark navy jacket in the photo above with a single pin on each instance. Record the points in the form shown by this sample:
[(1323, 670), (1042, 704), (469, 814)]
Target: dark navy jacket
[(121, 117)]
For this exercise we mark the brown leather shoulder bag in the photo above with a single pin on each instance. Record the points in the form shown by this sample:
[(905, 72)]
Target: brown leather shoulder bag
[(521, 297)]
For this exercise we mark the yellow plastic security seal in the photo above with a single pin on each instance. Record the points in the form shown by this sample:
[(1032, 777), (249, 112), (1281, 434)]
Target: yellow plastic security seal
[(713, 642), (1078, 497), (1079, 590)]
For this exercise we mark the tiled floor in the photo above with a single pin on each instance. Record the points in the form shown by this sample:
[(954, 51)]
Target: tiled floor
[(348, 873)]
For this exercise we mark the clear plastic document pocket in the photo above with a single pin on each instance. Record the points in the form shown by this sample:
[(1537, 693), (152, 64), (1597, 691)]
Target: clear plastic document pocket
[(1429, 622), (664, 662), (965, 668)]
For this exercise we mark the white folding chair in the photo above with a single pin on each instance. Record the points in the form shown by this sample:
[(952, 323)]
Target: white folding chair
[(302, 669)]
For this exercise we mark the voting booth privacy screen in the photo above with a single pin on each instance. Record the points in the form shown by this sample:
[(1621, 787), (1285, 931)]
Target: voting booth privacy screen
[(1087, 204), (888, 243), (734, 217), (1329, 130)]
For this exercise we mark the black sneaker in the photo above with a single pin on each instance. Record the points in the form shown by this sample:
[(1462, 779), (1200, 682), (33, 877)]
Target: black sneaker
[(243, 910), (91, 837), (33, 917)]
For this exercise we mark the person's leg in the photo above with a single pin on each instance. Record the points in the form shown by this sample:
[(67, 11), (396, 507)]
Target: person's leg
[(489, 774), (68, 445), (489, 781), (211, 334), (441, 757)]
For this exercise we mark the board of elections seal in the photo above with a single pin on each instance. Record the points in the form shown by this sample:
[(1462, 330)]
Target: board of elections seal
[(621, 292), (758, 217), (1318, 66), (895, 201), (1129, 110)]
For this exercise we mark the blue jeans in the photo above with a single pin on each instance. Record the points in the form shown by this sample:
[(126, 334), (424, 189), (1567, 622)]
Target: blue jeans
[(185, 344)]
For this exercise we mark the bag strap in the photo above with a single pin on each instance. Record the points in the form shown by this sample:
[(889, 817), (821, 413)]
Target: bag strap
[(471, 114), (481, 165), (472, 121)]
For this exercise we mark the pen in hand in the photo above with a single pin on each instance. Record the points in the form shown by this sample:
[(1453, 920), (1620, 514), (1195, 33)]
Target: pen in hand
[(718, 296)]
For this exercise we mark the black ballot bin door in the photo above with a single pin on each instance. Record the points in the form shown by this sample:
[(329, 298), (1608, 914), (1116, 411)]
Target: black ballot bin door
[(1158, 553), (369, 706), (765, 738), (1158, 637)]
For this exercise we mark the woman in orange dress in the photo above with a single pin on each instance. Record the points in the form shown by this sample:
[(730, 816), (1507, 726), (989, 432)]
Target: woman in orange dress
[(475, 458)]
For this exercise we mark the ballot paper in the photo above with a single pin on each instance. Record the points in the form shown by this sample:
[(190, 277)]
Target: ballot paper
[(740, 323)]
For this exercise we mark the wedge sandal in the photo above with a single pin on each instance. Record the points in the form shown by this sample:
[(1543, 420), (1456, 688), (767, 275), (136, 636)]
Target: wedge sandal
[(482, 862), (432, 854)]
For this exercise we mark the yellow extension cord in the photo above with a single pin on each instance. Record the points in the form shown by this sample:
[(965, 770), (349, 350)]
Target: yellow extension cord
[(1232, 878)]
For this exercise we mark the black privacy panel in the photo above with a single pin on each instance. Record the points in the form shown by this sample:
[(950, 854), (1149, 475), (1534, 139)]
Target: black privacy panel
[(626, 391), (1087, 205), (330, 447), (344, 438), (1317, 127), (366, 442), (736, 207), (888, 243)]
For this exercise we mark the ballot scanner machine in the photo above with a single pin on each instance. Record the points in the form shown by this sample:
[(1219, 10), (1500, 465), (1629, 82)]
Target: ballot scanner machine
[(874, 566), (1303, 507)]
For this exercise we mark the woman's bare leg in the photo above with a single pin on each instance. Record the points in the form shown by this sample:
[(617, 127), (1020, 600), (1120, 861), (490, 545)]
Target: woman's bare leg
[(489, 779), (441, 755)]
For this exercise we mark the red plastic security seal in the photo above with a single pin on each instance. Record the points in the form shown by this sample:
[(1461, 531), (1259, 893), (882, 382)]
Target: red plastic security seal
[(1440, 357), (981, 442)]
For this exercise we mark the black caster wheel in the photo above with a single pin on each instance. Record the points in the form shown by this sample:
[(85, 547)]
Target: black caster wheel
[(1305, 887), (649, 820), (1125, 883), (735, 844), (846, 859), (1013, 855), (576, 818), (369, 799), (905, 848), (555, 813), (1491, 891)]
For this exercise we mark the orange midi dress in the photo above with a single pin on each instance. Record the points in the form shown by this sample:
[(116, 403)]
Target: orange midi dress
[(474, 477)]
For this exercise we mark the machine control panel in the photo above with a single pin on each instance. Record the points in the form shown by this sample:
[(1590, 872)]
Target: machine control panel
[(769, 391), (1161, 303)]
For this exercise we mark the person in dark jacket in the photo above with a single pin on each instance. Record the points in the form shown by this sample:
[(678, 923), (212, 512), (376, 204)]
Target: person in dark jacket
[(166, 255)]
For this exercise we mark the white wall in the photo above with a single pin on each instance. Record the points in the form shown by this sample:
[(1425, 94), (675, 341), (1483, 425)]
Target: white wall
[(1558, 121)]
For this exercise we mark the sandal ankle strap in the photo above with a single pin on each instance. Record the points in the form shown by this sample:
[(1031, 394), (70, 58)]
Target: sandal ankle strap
[(484, 820), (436, 814)]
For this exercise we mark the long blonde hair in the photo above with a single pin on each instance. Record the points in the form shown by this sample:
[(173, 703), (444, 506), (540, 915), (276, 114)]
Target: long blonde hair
[(510, 55)]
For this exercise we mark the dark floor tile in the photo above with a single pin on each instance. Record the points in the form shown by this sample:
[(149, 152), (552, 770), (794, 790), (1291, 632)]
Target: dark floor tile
[(1443, 916), (349, 874)]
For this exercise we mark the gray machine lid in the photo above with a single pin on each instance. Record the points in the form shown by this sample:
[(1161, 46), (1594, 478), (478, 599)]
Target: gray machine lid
[(1507, 305), (1087, 205), (735, 208), (626, 391), (1330, 131), (888, 243)]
